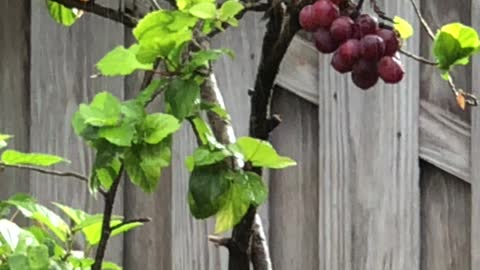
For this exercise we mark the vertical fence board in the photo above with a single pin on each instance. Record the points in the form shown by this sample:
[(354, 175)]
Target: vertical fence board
[(445, 225), (475, 149), (368, 162), (293, 191), (62, 61), (14, 88)]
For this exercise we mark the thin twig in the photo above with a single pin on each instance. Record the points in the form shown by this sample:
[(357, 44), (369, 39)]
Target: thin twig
[(78, 176), (219, 241), (107, 217), (422, 20), (127, 222), (156, 4), (109, 13), (418, 58)]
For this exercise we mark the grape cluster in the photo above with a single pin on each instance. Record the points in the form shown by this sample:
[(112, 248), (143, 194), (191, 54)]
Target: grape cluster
[(359, 45)]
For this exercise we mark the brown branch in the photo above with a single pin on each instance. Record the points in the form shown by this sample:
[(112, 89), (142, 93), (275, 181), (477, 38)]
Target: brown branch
[(102, 11), (107, 217), (422, 20), (418, 58)]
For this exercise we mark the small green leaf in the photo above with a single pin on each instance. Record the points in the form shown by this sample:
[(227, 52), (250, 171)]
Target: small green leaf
[(12, 157), (217, 109), (119, 135), (258, 190), (403, 27), (158, 126), (3, 140), (106, 168), (202, 59), (181, 95), (203, 129), (122, 61), (38, 257), (143, 163), (207, 187), (125, 228), (203, 156), (18, 262), (76, 215), (204, 10), (110, 266), (147, 94), (237, 202), (229, 9), (232, 21), (105, 110), (61, 14), (262, 154), (189, 163), (454, 44)]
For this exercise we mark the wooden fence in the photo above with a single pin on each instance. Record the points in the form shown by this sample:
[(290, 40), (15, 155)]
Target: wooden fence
[(387, 179)]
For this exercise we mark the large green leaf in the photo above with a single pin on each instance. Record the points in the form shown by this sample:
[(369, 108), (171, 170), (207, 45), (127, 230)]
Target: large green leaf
[(121, 135), (237, 202), (158, 126), (38, 257), (144, 163), (62, 14), (204, 10), (122, 61), (76, 215), (207, 188), (262, 154), (454, 44), (10, 234), (18, 262), (41, 214), (12, 157), (181, 95), (105, 110)]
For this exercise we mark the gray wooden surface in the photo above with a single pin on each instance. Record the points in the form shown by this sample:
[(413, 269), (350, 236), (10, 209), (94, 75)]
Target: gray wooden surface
[(356, 200)]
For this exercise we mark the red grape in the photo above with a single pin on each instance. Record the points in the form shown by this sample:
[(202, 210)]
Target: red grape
[(324, 41), (372, 47), (390, 69), (307, 19), (342, 28), (392, 42), (346, 55), (366, 25), (325, 12), (364, 74)]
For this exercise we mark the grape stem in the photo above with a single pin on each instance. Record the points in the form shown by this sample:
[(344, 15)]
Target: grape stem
[(418, 58)]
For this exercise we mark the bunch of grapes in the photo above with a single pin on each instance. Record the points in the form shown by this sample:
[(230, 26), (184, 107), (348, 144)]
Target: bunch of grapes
[(360, 46)]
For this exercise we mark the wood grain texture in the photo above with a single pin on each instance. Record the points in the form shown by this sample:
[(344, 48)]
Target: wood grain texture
[(432, 87), (445, 226), (444, 140), (15, 88), (475, 149), (294, 191), (62, 59), (368, 168)]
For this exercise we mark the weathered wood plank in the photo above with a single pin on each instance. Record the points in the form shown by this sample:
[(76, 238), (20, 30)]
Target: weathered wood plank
[(62, 59), (368, 162), (444, 140), (445, 226), (475, 149), (15, 88), (294, 191)]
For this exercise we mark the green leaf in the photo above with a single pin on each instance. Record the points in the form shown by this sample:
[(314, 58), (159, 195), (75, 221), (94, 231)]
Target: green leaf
[(105, 110), (262, 154), (403, 27), (257, 188), (207, 187), (106, 168), (119, 135), (147, 94), (10, 233), (217, 109), (41, 214), (110, 266), (18, 262), (204, 11), (237, 202), (76, 215), (61, 14), (202, 59), (3, 140), (203, 129), (203, 156), (12, 157), (189, 163), (229, 9), (126, 227), (454, 44), (181, 95), (122, 61), (158, 126), (92, 228), (82, 129), (38, 257), (143, 163)]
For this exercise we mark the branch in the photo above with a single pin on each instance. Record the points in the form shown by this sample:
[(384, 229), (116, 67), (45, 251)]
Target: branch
[(102, 11), (422, 20), (418, 58), (260, 249), (78, 176), (127, 222), (107, 217)]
